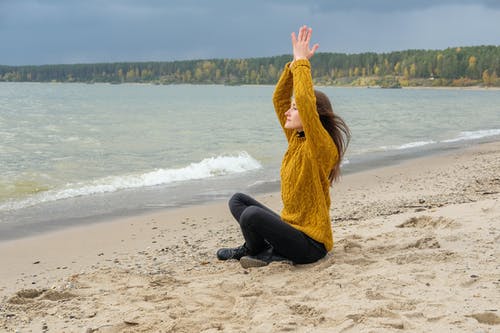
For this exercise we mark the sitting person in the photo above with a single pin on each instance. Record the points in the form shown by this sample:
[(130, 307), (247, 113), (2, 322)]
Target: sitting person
[(317, 140)]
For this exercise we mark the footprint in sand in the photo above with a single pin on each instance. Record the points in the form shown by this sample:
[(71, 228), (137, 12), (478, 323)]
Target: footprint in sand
[(354, 255), (420, 257), (349, 245), (379, 312), (487, 318), (307, 312), (427, 222), (25, 296), (29, 295), (425, 243), (382, 316)]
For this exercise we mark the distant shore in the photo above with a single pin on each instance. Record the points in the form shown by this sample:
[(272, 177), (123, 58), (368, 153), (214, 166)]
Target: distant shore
[(477, 87), (453, 66)]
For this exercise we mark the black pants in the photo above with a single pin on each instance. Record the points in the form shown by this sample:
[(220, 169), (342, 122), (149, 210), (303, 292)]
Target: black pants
[(261, 226)]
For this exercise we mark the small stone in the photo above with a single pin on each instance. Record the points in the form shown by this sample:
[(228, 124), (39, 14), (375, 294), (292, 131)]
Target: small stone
[(36, 262)]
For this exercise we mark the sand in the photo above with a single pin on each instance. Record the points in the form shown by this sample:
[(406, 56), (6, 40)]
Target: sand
[(416, 249)]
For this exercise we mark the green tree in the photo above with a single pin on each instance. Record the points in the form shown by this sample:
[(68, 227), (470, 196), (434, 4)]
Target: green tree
[(486, 78)]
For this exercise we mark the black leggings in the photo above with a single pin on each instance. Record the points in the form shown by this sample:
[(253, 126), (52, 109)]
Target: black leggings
[(261, 226)]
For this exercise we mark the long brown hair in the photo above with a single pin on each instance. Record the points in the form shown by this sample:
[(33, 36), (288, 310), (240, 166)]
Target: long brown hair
[(336, 127)]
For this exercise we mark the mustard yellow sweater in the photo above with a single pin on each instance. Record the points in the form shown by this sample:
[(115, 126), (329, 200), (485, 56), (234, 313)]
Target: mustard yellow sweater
[(305, 188)]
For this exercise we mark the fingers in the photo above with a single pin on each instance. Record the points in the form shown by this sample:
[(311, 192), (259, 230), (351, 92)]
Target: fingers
[(300, 43), (303, 32), (307, 34), (314, 48), (304, 35)]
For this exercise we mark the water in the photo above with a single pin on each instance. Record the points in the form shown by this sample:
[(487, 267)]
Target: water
[(70, 152)]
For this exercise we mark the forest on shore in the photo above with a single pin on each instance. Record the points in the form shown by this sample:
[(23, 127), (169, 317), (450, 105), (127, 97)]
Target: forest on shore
[(458, 66)]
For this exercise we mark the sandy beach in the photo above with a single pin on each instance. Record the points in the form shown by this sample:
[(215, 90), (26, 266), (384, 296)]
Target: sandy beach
[(416, 249)]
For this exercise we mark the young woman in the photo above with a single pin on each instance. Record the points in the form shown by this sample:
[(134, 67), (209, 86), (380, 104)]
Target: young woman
[(317, 139)]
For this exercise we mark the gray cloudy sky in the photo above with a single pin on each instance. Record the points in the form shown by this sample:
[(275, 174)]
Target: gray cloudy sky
[(83, 31)]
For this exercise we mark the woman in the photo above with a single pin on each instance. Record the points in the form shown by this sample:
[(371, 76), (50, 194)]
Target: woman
[(317, 140)]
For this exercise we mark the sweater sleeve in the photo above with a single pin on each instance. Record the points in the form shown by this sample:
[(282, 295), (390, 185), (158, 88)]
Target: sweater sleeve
[(318, 140), (282, 98)]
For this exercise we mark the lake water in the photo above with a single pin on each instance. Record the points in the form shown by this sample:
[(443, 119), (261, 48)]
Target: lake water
[(70, 152)]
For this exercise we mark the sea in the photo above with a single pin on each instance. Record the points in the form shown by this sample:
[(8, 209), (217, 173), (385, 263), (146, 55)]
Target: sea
[(73, 153)]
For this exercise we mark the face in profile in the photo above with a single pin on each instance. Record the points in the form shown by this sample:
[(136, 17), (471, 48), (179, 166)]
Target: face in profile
[(293, 120)]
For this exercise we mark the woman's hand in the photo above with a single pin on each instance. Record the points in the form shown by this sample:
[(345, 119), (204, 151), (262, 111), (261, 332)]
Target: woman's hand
[(300, 44)]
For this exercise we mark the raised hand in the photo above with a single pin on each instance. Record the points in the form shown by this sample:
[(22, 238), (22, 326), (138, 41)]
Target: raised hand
[(300, 44)]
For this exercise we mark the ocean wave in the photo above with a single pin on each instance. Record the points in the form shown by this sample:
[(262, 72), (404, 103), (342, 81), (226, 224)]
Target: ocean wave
[(404, 146), (209, 167), (463, 136), (415, 144), (473, 135)]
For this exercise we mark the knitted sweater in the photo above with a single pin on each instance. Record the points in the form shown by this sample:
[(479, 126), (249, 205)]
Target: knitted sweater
[(305, 188)]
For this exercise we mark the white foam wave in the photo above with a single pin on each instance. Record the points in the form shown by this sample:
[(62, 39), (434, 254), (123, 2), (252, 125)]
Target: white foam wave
[(209, 167), (463, 136), (473, 135), (408, 145), (415, 144)]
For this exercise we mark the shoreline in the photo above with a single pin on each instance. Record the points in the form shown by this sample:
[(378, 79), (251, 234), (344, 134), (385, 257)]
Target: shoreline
[(72, 212), (479, 88), (432, 221), (474, 88)]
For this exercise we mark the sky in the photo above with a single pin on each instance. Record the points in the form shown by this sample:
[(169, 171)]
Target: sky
[(35, 32)]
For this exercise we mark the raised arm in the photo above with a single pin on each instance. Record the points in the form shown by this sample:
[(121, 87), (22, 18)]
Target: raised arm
[(282, 98), (318, 140)]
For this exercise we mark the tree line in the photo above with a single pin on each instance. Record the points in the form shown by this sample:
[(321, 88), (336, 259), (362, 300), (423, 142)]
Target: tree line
[(459, 66)]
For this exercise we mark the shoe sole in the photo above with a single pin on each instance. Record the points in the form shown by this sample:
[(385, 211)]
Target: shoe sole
[(247, 262)]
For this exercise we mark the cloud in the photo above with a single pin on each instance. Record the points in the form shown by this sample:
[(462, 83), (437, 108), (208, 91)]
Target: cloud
[(68, 31), (394, 6)]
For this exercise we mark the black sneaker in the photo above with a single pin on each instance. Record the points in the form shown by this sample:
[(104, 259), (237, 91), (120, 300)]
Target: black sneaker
[(262, 259), (232, 253)]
